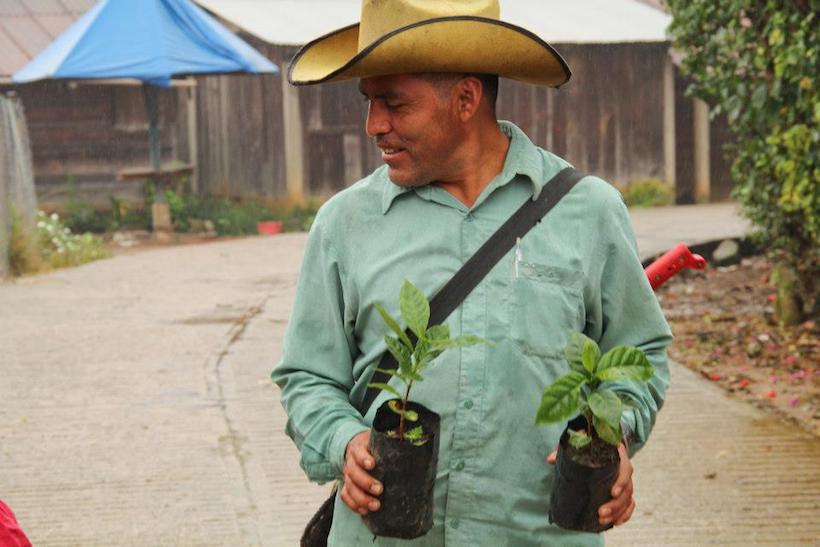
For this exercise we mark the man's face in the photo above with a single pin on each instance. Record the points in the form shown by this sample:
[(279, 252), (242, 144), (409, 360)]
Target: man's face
[(414, 126)]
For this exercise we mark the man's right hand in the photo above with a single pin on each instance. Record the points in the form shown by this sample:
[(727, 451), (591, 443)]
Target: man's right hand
[(359, 487)]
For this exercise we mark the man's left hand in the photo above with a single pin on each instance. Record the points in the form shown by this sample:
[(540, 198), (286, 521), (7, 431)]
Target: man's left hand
[(619, 509)]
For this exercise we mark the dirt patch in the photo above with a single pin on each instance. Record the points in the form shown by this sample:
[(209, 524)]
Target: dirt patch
[(725, 329)]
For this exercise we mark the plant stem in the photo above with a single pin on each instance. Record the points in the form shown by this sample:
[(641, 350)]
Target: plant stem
[(404, 410)]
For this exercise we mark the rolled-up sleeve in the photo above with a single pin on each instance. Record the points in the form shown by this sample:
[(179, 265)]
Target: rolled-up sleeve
[(628, 313), (315, 370)]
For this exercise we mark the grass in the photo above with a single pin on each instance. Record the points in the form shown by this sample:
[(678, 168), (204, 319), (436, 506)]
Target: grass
[(50, 245), (648, 193)]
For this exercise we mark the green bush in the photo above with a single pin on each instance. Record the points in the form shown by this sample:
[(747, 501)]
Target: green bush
[(59, 247), (23, 252), (233, 217), (756, 62), (648, 193)]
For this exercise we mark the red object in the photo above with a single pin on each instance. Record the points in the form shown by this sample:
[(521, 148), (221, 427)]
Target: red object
[(269, 227), (671, 264), (10, 533)]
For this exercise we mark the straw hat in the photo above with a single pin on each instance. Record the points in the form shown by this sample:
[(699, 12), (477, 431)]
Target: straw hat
[(408, 36)]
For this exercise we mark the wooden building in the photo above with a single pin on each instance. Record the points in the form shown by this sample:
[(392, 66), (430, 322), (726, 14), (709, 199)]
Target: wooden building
[(623, 115), (82, 134)]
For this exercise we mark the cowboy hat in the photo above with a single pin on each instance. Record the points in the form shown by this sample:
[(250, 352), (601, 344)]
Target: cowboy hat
[(411, 36)]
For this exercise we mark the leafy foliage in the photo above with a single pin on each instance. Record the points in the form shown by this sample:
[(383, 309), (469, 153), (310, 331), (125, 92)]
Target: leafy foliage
[(648, 193), (582, 390), (414, 358), (61, 248), (757, 62)]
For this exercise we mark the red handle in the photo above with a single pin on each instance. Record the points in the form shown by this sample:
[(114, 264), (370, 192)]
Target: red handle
[(671, 263)]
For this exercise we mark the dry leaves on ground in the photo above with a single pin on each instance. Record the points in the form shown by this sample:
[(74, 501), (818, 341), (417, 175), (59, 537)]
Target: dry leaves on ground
[(724, 326)]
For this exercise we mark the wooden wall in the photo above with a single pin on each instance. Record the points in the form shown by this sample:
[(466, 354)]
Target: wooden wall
[(240, 131), (82, 135), (607, 120)]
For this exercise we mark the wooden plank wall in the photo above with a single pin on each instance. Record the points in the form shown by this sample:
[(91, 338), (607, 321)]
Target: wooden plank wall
[(240, 131), (607, 120), (81, 135)]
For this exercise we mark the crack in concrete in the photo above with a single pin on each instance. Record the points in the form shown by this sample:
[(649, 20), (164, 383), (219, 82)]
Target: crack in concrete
[(231, 444)]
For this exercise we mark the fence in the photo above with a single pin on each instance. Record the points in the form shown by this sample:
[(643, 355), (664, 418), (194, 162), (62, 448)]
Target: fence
[(17, 197)]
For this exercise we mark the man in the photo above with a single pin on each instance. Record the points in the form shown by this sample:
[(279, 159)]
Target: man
[(453, 175)]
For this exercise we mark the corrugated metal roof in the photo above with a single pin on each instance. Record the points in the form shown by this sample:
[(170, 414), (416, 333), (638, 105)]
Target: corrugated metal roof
[(28, 26), (558, 21)]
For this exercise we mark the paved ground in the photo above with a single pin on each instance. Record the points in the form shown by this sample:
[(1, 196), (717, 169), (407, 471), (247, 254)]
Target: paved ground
[(136, 409)]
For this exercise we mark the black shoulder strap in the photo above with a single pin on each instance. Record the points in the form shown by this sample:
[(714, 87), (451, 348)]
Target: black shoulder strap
[(479, 265)]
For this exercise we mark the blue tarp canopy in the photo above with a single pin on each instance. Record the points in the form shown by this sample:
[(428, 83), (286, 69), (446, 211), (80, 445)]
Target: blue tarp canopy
[(150, 40)]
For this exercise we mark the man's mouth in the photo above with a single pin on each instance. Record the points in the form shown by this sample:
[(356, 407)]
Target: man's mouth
[(391, 153)]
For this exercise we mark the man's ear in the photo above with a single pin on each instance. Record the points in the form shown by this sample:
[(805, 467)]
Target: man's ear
[(468, 94)]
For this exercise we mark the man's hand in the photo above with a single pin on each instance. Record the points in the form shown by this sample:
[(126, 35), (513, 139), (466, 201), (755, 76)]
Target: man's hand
[(619, 509), (359, 487)]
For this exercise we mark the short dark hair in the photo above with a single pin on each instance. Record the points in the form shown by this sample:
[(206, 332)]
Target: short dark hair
[(445, 80)]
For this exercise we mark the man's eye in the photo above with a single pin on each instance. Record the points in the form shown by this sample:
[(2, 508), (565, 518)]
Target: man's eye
[(393, 106)]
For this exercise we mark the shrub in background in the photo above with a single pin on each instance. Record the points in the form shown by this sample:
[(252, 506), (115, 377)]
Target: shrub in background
[(756, 62), (59, 247), (648, 193)]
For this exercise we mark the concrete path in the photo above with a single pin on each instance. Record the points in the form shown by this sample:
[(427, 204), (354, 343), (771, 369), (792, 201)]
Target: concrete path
[(136, 409)]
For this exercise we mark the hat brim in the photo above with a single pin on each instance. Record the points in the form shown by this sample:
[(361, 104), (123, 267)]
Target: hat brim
[(472, 44)]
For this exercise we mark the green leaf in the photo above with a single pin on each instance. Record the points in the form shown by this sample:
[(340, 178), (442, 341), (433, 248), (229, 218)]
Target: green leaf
[(414, 308), (610, 434), (438, 332), (415, 436), (581, 352), (394, 326), (590, 356), (399, 351), (624, 363), (391, 372), (386, 387), (409, 415), (574, 350), (579, 439), (393, 404), (561, 400), (606, 406)]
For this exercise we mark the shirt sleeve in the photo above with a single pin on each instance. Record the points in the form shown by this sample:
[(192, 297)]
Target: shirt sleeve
[(315, 371), (627, 312)]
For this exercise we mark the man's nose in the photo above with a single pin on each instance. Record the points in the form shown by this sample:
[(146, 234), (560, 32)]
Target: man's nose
[(377, 119)]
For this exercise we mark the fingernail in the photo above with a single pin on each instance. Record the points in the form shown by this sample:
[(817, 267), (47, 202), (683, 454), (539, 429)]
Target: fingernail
[(616, 491), (369, 463), (374, 505), (376, 488), (363, 511), (604, 512)]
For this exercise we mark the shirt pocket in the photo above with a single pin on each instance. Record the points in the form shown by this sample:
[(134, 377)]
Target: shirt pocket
[(545, 305)]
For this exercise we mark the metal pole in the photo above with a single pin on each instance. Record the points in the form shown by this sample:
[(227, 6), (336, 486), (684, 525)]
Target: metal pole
[(152, 108)]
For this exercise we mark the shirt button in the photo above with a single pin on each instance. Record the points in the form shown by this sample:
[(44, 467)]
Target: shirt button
[(468, 404), (459, 466), (454, 523)]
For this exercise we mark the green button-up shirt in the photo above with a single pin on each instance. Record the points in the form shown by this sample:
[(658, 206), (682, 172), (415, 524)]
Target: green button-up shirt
[(576, 270)]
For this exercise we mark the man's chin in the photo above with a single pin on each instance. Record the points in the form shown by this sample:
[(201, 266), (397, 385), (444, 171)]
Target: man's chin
[(404, 179)]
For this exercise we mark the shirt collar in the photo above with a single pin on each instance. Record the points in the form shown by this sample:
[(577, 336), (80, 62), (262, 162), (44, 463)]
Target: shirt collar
[(523, 158)]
